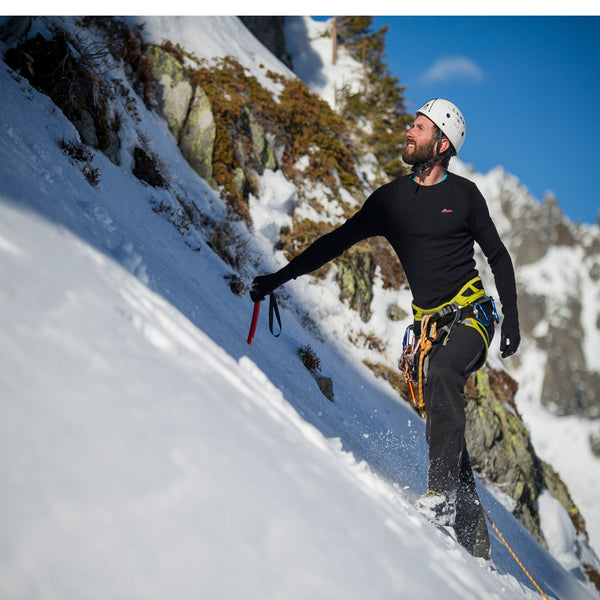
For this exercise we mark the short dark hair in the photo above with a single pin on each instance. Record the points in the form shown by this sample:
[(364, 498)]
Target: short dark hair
[(448, 154)]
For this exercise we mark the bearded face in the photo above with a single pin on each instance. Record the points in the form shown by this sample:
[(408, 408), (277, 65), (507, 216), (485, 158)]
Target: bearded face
[(418, 152)]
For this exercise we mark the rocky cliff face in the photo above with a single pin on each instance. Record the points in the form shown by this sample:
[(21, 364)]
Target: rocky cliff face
[(557, 263), (270, 31), (570, 384)]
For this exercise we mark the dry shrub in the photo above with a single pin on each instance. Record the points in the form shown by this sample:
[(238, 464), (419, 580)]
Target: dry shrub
[(147, 168), (81, 154), (309, 359)]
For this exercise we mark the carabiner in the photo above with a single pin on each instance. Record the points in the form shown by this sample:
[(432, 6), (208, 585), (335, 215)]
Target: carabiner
[(495, 311), (479, 311)]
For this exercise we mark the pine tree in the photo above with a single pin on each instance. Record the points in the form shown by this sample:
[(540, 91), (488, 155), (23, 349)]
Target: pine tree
[(380, 98)]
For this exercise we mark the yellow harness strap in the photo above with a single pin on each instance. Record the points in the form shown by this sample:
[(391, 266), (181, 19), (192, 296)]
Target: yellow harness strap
[(475, 324), (469, 293)]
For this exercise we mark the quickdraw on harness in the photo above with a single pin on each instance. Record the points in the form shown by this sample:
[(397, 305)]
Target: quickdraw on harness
[(466, 308), (409, 351)]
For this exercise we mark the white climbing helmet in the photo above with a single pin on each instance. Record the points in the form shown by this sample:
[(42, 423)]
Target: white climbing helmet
[(448, 118)]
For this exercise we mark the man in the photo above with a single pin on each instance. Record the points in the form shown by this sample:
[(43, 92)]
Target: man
[(432, 219)]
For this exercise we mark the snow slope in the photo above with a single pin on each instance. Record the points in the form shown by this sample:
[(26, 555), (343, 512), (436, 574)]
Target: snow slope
[(148, 452)]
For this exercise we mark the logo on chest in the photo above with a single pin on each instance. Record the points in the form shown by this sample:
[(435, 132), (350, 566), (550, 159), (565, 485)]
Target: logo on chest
[(446, 211)]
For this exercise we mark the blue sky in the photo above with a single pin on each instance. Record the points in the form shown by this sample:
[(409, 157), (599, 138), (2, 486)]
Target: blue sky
[(529, 88)]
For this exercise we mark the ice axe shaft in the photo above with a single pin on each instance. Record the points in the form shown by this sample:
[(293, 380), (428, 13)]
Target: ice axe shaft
[(253, 324)]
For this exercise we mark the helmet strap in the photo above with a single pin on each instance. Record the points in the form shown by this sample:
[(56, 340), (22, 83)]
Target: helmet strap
[(420, 167), (416, 169)]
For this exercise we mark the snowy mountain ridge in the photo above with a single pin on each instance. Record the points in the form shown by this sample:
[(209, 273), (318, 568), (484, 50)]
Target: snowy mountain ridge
[(151, 435)]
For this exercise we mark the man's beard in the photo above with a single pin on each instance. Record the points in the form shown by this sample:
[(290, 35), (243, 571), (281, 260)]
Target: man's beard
[(419, 154)]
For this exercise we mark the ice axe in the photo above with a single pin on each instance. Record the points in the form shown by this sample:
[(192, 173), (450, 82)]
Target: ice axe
[(273, 310)]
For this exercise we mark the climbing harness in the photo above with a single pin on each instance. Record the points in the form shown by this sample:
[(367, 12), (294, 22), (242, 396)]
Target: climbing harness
[(437, 323), (539, 589)]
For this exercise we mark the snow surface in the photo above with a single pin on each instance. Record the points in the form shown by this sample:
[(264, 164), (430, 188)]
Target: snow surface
[(148, 452)]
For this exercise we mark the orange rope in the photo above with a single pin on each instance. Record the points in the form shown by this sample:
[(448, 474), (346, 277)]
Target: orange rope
[(514, 555), (426, 344)]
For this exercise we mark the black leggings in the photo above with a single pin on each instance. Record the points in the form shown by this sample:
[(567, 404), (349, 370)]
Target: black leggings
[(450, 470)]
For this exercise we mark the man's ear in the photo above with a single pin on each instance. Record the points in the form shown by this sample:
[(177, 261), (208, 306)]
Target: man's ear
[(444, 145)]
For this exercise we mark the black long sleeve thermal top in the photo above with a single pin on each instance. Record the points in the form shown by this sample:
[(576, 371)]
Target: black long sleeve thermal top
[(432, 230)]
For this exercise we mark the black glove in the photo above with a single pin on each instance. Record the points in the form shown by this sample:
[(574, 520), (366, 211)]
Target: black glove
[(510, 338), (263, 285)]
